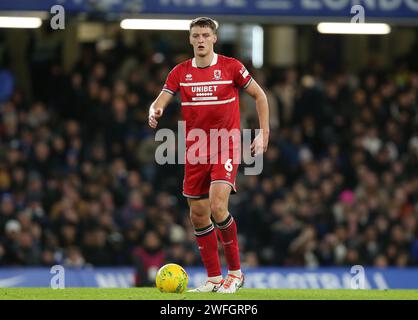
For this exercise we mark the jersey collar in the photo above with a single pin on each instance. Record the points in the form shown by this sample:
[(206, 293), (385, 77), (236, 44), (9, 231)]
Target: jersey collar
[(214, 61)]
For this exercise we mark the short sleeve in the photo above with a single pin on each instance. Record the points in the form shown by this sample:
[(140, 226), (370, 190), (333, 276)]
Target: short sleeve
[(172, 83), (242, 77)]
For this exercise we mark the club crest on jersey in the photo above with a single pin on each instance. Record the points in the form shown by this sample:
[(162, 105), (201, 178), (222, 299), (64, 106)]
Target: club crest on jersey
[(189, 77), (217, 74)]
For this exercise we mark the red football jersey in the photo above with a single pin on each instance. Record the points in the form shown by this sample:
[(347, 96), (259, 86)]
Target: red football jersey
[(209, 96)]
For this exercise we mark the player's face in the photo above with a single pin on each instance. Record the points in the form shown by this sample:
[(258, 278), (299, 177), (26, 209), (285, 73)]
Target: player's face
[(202, 39)]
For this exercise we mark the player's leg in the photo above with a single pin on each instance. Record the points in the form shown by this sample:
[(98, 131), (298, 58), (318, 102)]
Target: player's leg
[(196, 189), (219, 197), (207, 242)]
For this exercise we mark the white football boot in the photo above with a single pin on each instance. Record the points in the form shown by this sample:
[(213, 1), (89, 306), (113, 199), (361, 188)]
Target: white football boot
[(232, 283), (209, 286)]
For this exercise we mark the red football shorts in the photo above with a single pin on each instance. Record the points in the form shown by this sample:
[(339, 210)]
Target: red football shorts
[(199, 177)]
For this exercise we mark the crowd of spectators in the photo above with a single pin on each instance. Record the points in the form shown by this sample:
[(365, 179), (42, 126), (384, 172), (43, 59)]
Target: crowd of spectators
[(79, 185)]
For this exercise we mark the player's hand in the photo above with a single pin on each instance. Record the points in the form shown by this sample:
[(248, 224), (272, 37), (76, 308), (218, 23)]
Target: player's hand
[(154, 114), (260, 143)]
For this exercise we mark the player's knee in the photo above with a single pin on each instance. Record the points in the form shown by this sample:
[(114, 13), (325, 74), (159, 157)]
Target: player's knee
[(199, 209), (199, 219), (218, 208)]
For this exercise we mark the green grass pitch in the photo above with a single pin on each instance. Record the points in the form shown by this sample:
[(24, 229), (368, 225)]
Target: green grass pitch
[(243, 294)]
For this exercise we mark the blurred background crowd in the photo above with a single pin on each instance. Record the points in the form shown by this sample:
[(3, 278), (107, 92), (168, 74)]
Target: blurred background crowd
[(79, 185)]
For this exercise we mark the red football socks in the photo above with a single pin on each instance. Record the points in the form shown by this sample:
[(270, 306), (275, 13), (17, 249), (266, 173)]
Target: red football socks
[(208, 247), (229, 239)]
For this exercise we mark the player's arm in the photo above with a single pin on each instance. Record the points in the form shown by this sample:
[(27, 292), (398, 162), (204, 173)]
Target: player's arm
[(156, 109), (260, 142)]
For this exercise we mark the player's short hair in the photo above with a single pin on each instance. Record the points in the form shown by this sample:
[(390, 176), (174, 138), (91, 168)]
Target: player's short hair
[(204, 22)]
